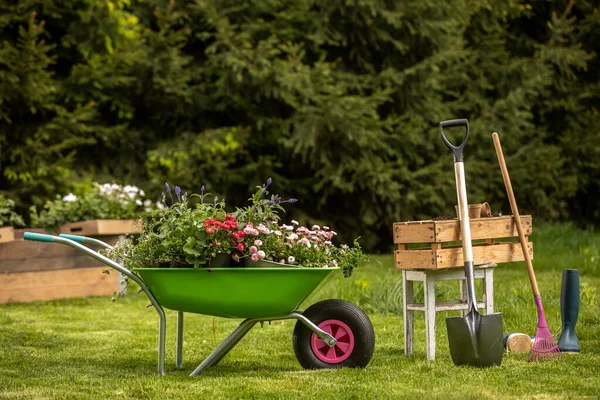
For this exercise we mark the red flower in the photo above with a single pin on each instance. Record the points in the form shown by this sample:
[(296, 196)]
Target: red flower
[(240, 246)]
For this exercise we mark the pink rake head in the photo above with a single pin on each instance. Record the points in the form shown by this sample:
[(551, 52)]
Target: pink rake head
[(544, 346)]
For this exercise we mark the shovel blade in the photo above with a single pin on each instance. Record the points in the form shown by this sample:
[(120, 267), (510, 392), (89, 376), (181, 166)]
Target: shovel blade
[(476, 339)]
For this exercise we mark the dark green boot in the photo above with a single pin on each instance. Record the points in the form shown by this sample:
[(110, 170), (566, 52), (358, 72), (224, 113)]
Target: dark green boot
[(569, 309)]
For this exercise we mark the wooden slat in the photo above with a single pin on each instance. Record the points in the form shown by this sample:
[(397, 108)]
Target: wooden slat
[(453, 256), (7, 234), (449, 230), (22, 255), (76, 260), (102, 227), (19, 249), (49, 285), (449, 305), (414, 232)]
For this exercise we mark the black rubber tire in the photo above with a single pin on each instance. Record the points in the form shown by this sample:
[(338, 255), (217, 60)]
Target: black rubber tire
[(348, 313)]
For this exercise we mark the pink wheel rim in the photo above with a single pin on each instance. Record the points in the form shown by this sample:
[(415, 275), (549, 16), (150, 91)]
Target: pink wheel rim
[(342, 349)]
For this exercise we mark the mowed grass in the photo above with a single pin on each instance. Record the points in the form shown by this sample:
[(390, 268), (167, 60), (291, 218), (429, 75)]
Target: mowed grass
[(92, 348)]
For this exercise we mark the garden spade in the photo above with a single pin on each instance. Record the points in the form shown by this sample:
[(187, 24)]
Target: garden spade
[(475, 339)]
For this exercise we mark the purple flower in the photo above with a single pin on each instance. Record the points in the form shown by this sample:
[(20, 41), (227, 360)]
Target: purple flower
[(292, 200), (169, 191), (265, 186), (178, 193)]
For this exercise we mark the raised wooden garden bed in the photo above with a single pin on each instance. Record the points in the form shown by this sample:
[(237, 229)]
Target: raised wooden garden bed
[(436, 244), (32, 271)]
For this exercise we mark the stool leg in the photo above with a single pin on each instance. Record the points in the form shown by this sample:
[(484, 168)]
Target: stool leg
[(488, 290), (409, 316), (429, 294)]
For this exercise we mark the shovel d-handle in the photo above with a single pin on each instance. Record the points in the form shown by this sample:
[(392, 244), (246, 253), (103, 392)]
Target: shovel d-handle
[(76, 242), (456, 150)]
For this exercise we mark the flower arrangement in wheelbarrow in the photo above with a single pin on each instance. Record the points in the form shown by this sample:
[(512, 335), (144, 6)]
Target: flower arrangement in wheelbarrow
[(204, 235)]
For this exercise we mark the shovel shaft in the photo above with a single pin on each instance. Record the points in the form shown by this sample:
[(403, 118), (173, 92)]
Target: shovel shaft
[(465, 228)]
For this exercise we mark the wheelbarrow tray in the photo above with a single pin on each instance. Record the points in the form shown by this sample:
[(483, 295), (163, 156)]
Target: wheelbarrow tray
[(233, 292)]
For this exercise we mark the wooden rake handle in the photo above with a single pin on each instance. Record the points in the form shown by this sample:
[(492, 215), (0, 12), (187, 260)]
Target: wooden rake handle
[(516, 216)]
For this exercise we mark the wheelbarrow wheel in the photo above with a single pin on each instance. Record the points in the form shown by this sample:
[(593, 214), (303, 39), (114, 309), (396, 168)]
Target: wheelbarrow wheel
[(347, 323)]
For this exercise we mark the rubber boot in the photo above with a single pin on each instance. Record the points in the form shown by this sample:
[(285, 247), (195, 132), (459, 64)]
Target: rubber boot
[(569, 309)]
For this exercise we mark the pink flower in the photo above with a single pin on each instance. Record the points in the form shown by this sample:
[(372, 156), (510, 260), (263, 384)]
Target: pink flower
[(240, 246), (210, 230), (254, 257), (292, 237), (263, 229), (253, 249), (282, 261), (250, 231), (304, 241), (278, 233), (316, 228), (258, 242), (261, 254)]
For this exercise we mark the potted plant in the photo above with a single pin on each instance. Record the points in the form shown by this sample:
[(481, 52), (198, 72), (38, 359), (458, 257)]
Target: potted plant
[(8, 220), (182, 234), (105, 209)]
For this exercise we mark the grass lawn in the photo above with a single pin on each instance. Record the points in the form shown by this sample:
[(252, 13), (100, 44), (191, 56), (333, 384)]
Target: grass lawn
[(92, 348)]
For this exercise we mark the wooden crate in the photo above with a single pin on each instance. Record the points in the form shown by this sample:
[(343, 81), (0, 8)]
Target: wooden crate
[(435, 244), (97, 227), (7, 234)]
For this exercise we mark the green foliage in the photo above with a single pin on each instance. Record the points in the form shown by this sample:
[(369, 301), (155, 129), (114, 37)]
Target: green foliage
[(339, 101), (7, 215), (107, 201)]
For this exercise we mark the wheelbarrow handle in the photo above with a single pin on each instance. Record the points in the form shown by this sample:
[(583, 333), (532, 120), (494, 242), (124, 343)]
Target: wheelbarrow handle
[(38, 237), (85, 240), (456, 150)]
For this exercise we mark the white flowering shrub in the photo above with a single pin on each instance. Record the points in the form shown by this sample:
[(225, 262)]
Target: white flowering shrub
[(103, 201)]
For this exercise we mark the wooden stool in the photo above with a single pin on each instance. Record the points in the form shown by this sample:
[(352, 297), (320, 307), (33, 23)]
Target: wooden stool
[(430, 307)]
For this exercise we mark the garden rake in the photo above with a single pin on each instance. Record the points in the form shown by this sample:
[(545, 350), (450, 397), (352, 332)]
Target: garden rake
[(544, 345)]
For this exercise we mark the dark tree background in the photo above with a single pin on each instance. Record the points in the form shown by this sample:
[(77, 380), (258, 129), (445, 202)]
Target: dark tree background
[(338, 101)]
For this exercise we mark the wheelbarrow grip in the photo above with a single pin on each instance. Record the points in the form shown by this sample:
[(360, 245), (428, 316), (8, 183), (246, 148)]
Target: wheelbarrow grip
[(38, 237), (75, 238)]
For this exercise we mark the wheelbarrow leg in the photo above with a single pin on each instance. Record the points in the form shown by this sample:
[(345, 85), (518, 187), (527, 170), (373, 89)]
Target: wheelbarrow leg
[(243, 328), (179, 343), (226, 346)]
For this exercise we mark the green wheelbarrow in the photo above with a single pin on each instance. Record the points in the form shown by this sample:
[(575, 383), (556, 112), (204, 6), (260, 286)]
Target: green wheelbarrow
[(329, 334)]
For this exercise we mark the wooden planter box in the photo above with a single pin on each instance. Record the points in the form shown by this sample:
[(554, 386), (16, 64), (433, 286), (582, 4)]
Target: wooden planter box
[(32, 271), (97, 227), (7, 234), (436, 244)]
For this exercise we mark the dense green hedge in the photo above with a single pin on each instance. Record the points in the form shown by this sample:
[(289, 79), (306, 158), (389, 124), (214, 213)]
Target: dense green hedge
[(338, 101)]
